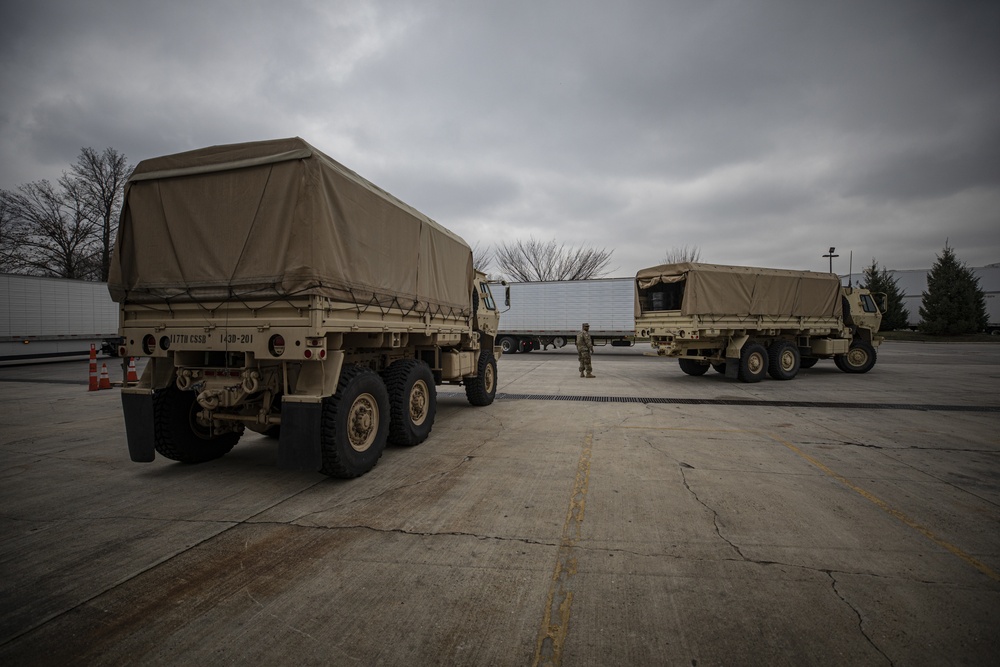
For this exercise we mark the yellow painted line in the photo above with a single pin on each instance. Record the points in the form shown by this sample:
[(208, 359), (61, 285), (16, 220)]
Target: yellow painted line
[(555, 621), (892, 511), (867, 495)]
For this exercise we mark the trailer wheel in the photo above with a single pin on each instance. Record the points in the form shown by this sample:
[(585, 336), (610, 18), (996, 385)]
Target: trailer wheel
[(481, 389), (720, 367), (558, 342), (753, 362), (693, 366), (355, 423), (508, 345), (859, 358), (784, 360), (412, 401), (177, 434), (808, 362)]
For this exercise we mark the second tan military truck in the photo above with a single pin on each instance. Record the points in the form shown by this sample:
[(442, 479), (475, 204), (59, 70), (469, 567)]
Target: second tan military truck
[(748, 322), (275, 290)]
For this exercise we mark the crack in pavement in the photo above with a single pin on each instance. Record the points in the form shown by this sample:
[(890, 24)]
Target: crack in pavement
[(857, 613)]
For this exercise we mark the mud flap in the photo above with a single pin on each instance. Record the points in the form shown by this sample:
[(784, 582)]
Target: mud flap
[(300, 444), (139, 431), (734, 353)]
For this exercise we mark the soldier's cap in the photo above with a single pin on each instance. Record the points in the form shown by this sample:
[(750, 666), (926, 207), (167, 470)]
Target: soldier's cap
[(586, 324)]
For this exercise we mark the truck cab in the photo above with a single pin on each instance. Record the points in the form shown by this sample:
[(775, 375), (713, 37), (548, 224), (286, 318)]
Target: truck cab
[(863, 311)]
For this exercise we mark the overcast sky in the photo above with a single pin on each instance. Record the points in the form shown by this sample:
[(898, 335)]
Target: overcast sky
[(761, 133)]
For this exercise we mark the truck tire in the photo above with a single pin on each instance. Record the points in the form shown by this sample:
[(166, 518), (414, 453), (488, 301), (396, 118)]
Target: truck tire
[(693, 366), (859, 358), (412, 401), (178, 436), (355, 423), (753, 362), (784, 360), (558, 342), (808, 362), (720, 367), (481, 389), (507, 344)]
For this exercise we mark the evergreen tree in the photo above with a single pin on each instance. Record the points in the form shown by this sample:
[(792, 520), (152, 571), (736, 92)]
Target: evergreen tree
[(896, 316), (953, 303)]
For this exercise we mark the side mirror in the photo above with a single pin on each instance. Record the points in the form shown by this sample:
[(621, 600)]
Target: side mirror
[(882, 301), (506, 296)]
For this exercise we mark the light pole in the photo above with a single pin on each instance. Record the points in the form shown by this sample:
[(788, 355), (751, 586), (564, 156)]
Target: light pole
[(831, 256)]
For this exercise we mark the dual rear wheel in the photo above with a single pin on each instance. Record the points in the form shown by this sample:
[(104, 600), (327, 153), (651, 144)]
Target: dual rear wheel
[(781, 361), (356, 422), (368, 411)]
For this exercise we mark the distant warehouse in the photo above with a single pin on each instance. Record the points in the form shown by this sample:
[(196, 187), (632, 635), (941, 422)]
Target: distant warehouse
[(913, 283)]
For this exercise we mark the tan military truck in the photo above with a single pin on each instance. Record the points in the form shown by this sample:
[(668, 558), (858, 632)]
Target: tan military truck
[(275, 290), (749, 322)]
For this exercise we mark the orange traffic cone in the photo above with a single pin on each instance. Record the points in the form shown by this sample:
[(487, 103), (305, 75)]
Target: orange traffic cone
[(105, 379), (133, 376), (93, 369)]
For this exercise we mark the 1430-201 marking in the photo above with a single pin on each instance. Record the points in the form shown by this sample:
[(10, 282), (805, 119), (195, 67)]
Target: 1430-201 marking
[(242, 339)]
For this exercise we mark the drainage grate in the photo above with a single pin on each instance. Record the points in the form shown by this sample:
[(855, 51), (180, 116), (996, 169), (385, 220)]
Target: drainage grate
[(749, 402)]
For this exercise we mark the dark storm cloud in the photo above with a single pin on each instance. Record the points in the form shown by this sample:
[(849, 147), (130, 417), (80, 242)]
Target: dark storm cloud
[(762, 132)]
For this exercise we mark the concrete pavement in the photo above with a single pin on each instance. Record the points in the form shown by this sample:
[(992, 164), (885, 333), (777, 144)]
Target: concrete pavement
[(652, 519)]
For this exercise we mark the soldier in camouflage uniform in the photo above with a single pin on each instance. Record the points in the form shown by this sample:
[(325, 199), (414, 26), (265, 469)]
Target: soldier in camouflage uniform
[(584, 348)]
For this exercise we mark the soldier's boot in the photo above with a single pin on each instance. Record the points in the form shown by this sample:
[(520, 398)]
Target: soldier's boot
[(581, 373), (591, 375)]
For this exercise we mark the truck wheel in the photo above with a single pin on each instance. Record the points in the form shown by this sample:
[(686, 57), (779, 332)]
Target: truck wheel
[(412, 401), (784, 360), (753, 362), (481, 389), (355, 423), (808, 362), (859, 358), (720, 367), (177, 434), (693, 366), (558, 342), (508, 345)]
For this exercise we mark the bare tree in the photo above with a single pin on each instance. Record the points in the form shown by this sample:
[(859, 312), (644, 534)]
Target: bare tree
[(482, 258), (101, 179), (11, 237), (682, 255), (535, 260), (56, 229), (66, 231)]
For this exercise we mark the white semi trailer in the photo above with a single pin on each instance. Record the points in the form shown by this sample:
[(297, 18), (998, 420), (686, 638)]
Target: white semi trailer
[(552, 312), (50, 318)]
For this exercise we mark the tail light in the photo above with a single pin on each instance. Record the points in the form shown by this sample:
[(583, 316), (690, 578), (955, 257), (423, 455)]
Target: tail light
[(276, 345)]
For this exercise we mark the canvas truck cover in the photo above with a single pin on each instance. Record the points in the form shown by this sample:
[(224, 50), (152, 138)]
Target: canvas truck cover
[(279, 219), (714, 289)]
